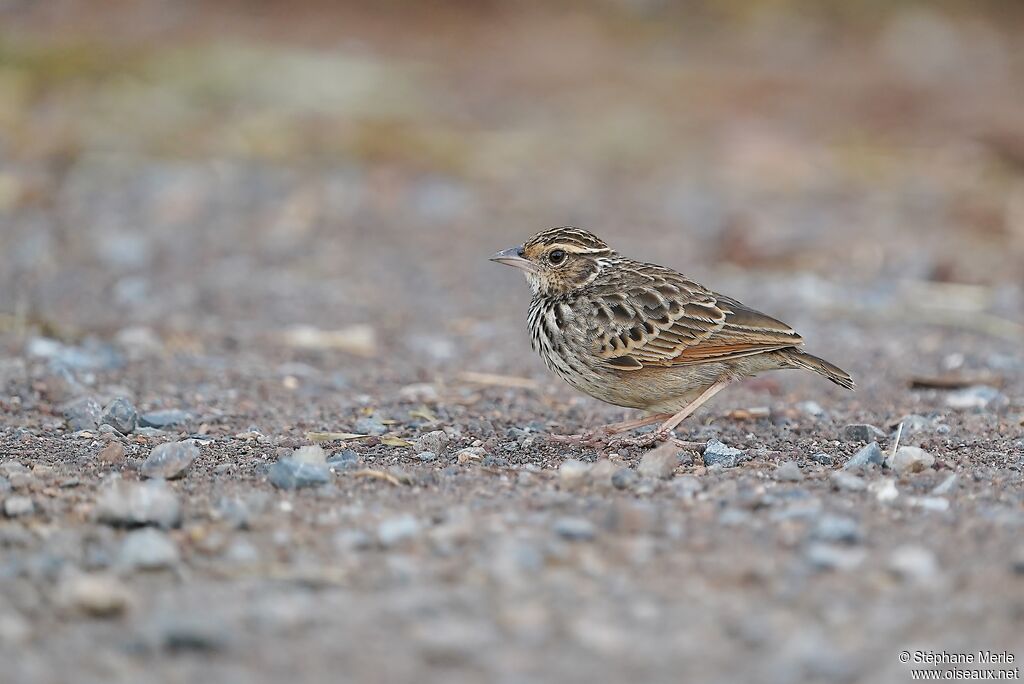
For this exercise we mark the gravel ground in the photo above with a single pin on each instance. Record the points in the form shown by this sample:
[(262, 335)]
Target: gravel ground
[(267, 412)]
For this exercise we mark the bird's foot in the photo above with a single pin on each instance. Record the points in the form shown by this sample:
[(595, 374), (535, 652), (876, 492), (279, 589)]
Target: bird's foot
[(598, 438)]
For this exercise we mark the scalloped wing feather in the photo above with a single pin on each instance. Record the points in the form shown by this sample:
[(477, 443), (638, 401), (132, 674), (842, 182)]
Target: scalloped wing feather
[(660, 318)]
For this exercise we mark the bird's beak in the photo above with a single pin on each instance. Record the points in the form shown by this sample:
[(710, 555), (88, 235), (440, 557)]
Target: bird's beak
[(513, 256)]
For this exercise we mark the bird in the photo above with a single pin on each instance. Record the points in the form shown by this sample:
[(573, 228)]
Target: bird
[(643, 336)]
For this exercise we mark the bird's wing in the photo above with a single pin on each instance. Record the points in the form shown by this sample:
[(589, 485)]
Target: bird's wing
[(651, 316)]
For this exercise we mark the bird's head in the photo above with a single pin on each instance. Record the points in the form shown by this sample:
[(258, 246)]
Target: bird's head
[(559, 260)]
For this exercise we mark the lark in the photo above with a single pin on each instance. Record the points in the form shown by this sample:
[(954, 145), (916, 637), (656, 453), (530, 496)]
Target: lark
[(644, 336)]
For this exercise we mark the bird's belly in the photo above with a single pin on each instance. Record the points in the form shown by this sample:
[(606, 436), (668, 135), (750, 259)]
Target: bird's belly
[(656, 390)]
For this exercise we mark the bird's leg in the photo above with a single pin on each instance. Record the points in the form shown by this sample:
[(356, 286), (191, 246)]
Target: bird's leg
[(599, 436), (662, 433)]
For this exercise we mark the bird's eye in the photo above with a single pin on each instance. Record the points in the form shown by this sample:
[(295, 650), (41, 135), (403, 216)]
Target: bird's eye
[(557, 256)]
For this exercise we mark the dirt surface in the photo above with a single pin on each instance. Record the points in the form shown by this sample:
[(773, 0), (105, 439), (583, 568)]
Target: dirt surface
[(280, 227)]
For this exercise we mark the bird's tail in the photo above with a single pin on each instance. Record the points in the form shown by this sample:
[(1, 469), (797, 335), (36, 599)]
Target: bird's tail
[(800, 359)]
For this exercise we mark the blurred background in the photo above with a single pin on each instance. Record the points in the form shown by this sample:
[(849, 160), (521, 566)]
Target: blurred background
[(256, 220), (229, 169)]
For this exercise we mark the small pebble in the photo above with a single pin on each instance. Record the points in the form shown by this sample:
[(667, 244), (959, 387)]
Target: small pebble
[(788, 471), (914, 564), (95, 595), (164, 419), (170, 460), (866, 457), (947, 486), (17, 506), (83, 414), (121, 415), (572, 474), (289, 474), (687, 486), (847, 482), (346, 459), (834, 557), (601, 473), (112, 454), (313, 454), (823, 458), (368, 425), (717, 453), (575, 529), (910, 459), (836, 529), (884, 489), (397, 530), (660, 463), (148, 549), (936, 504), (471, 455), (977, 397), (434, 442), (812, 408), (861, 432), (625, 478), (131, 504)]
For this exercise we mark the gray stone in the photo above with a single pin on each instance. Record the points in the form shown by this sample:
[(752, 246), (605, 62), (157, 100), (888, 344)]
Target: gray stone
[(95, 595), (936, 504), (368, 425), (471, 454), (660, 463), (601, 473), (837, 528), (977, 398), (312, 454), (398, 530), (121, 415), (861, 432), (687, 486), (716, 453), (834, 557), (90, 355), (352, 540), (822, 458), (133, 504), (575, 529), (234, 510), (164, 419), (884, 489), (347, 459), (812, 408), (434, 441), (910, 459), (82, 414), (866, 457), (625, 478), (847, 482), (289, 474), (914, 564), (914, 424), (788, 471), (572, 474), (16, 506), (148, 549), (170, 460), (191, 634), (947, 486)]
